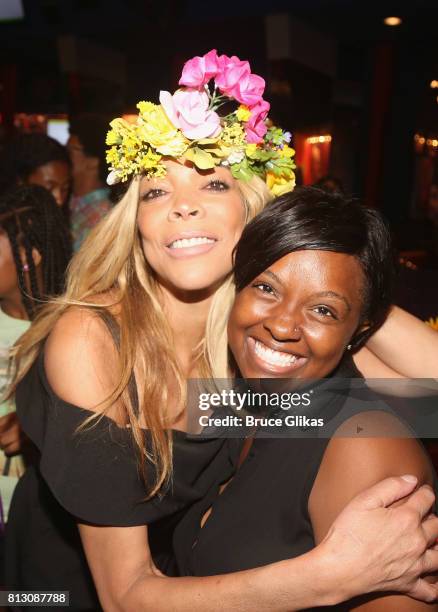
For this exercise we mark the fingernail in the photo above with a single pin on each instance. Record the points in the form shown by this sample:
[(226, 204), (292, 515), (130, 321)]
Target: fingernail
[(410, 478)]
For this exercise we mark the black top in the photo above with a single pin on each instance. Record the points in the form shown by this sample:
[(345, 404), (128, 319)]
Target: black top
[(262, 515), (91, 475)]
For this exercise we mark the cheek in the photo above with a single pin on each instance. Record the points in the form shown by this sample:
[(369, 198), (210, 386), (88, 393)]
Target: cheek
[(148, 225), (245, 313), (8, 276), (233, 218), (328, 343)]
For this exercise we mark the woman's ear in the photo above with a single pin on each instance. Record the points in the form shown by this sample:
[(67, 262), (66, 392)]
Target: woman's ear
[(363, 327), (360, 336)]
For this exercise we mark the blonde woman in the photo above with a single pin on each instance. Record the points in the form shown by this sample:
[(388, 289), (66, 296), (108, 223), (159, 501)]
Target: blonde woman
[(100, 379)]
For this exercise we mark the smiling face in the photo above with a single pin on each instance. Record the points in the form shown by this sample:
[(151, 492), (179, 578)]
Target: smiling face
[(297, 317), (189, 224)]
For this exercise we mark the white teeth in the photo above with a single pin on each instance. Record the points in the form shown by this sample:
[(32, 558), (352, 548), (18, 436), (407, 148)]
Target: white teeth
[(273, 357), (188, 242)]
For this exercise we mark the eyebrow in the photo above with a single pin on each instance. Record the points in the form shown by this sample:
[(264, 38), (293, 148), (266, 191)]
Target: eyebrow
[(274, 276), (331, 294)]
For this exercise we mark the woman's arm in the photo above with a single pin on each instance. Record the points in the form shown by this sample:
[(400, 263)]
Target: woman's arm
[(350, 465), (403, 347), (81, 365), (369, 547)]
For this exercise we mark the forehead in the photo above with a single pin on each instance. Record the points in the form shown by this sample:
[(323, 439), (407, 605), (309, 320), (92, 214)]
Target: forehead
[(320, 271), (53, 171)]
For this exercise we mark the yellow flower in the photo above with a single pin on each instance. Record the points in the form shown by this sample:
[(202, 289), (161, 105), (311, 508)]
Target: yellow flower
[(286, 151), (146, 107), (112, 157), (233, 135), (156, 129), (278, 185), (243, 113), (112, 138), (119, 127), (433, 323), (150, 163), (250, 149)]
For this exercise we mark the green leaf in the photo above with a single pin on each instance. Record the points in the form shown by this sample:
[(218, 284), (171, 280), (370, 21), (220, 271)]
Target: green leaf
[(241, 172)]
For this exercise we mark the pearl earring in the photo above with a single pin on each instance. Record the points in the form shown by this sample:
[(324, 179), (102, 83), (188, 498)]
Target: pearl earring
[(25, 267), (349, 347)]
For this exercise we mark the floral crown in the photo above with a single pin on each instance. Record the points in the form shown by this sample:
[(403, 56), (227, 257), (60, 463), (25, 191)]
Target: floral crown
[(187, 125)]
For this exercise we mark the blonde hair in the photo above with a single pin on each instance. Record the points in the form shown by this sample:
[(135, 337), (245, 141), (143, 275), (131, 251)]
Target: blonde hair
[(111, 260)]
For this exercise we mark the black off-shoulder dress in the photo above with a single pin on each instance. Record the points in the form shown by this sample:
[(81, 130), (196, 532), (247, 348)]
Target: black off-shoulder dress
[(92, 476)]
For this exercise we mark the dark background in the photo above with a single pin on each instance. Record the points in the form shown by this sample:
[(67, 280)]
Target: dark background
[(332, 67)]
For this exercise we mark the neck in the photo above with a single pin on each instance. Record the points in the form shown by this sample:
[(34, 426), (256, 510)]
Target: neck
[(187, 314), (13, 306), (85, 182)]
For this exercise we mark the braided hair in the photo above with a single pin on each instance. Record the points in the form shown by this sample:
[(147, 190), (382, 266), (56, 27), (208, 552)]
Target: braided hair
[(32, 220)]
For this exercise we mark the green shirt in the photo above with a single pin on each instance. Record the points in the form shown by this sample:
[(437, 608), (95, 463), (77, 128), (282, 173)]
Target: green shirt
[(10, 330)]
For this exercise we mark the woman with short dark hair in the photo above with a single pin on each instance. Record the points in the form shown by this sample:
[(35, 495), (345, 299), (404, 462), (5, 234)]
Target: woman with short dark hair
[(313, 274)]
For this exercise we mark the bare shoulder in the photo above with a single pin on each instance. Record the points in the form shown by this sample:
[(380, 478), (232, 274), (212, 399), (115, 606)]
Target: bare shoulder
[(367, 448), (376, 444), (80, 358)]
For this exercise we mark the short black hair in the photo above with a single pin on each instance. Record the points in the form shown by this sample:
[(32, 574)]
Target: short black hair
[(24, 153), (32, 220), (91, 130), (312, 219)]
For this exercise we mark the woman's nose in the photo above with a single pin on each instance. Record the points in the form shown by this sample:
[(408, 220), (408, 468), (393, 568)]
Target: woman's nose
[(284, 327), (184, 210)]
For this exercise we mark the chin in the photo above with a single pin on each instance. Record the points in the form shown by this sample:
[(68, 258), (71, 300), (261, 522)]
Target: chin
[(196, 283)]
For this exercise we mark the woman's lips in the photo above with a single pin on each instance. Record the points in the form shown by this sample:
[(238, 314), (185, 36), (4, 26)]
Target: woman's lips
[(184, 247), (271, 361)]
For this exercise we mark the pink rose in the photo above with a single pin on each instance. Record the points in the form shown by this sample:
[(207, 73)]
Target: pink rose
[(256, 127), (235, 80), (199, 70), (188, 111)]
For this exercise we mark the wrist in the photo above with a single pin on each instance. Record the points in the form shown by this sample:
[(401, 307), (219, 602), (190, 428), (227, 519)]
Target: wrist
[(334, 576)]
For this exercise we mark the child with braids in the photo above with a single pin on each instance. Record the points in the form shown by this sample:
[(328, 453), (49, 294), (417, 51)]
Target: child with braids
[(34, 252)]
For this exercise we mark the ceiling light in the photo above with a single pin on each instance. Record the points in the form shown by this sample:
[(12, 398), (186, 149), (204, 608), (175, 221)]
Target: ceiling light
[(392, 21)]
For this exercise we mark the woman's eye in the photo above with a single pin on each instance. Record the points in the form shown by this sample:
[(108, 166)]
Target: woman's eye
[(216, 185), (264, 288), (152, 194), (324, 311)]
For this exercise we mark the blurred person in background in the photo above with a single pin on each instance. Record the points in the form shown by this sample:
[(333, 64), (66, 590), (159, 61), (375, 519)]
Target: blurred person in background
[(34, 253), (36, 159), (91, 196), (330, 183)]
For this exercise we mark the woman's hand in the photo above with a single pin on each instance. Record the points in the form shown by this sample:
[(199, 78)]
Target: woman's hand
[(11, 436), (370, 547), (374, 545)]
